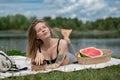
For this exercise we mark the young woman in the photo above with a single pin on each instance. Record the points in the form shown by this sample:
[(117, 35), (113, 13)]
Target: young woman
[(43, 46)]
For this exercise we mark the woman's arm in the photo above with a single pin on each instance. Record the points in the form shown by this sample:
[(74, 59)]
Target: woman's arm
[(61, 58), (39, 58)]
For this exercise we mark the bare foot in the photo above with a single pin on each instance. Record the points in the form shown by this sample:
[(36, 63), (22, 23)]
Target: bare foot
[(66, 33)]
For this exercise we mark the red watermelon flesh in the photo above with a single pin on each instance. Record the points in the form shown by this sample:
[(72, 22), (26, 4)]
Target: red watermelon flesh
[(91, 52)]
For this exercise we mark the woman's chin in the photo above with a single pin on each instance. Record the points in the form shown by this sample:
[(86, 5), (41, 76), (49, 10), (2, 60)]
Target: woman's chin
[(46, 37)]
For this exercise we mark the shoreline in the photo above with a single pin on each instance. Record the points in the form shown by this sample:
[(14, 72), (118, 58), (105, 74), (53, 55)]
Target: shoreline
[(74, 34)]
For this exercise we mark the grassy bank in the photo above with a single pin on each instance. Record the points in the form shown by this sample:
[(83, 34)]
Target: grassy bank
[(108, 73), (95, 34), (74, 34)]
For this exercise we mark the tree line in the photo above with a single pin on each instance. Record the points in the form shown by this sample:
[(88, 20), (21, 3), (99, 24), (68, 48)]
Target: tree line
[(21, 22)]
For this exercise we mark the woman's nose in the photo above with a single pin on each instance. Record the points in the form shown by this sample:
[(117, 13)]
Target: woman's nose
[(43, 30)]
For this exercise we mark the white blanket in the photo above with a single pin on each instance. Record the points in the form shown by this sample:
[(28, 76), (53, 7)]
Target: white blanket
[(22, 61)]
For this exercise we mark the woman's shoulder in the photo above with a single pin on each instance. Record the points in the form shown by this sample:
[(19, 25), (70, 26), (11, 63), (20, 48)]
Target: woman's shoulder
[(61, 41)]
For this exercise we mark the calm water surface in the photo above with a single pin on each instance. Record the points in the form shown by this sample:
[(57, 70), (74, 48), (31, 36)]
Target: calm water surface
[(112, 44)]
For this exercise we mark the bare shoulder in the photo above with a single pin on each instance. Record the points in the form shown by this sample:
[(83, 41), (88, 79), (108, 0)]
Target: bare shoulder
[(63, 45), (63, 42)]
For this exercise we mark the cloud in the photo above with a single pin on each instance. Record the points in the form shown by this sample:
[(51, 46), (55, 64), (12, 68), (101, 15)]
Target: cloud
[(112, 9), (19, 1), (73, 16), (73, 1), (24, 8), (57, 3), (69, 8), (81, 9), (88, 5)]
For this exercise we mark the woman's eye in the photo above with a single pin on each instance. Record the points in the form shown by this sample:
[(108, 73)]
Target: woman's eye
[(44, 26), (39, 30)]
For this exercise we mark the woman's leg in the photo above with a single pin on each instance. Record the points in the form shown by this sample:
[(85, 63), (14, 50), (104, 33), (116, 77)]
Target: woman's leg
[(66, 33), (71, 54), (71, 51), (71, 48)]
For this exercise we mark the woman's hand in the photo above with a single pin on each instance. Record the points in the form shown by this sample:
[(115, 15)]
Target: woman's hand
[(39, 58), (52, 66)]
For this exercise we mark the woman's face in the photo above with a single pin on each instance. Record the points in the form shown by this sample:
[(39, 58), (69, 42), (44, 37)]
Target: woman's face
[(42, 31)]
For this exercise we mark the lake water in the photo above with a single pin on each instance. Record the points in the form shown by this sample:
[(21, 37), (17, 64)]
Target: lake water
[(112, 44)]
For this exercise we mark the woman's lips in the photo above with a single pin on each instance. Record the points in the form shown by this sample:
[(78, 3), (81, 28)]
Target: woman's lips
[(45, 33)]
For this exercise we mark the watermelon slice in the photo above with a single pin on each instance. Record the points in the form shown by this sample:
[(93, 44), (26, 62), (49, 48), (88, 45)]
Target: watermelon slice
[(91, 52)]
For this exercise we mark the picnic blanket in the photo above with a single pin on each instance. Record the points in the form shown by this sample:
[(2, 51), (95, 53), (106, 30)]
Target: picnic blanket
[(22, 61)]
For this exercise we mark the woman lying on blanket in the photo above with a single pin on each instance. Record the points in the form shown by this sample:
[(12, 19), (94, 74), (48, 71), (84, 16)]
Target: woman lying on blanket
[(43, 47)]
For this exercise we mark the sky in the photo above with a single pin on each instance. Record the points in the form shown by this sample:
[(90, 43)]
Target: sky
[(85, 10)]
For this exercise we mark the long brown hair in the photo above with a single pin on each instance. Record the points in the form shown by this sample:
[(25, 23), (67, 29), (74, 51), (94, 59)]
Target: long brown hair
[(34, 43)]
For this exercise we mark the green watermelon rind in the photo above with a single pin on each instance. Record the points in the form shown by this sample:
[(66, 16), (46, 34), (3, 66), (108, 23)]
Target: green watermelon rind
[(85, 55), (81, 54)]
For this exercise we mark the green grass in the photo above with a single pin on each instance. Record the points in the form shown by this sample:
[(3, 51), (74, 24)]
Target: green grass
[(15, 52), (108, 73)]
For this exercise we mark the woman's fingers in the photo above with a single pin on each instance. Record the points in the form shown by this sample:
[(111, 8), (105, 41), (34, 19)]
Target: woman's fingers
[(39, 59)]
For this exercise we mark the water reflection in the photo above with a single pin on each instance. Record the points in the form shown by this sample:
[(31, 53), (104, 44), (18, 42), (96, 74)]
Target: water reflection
[(112, 44), (20, 44), (13, 44)]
